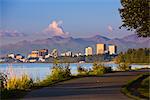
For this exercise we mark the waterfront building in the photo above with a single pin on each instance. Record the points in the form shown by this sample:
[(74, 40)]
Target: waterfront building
[(112, 49), (77, 54), (2, 60), (47, 56), (32, 60), (11, 55), (100, 48), (34, 54), (43, 52), (23, 60), (88, 51), (41, 59), (18, 56), (63, 54), (68, 54), (54, 53)]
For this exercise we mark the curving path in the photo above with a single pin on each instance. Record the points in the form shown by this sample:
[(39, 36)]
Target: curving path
[(106, 87)]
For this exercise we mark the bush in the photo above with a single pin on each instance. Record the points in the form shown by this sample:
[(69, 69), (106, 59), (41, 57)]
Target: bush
[(60, 72), (97, 69), (100, 69), (124, 67), (145, 83), (82, 71)]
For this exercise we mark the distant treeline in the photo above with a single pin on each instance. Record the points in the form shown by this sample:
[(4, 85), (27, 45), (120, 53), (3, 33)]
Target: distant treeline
[(87, 59), (141, 55)]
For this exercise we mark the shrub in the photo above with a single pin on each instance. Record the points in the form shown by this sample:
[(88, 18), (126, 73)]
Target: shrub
[(60, 72), (82, 71), (100, 69), (124, 67), (145, 83)]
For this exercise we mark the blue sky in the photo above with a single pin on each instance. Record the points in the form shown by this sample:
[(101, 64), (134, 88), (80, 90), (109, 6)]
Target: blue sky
[(79, 18)]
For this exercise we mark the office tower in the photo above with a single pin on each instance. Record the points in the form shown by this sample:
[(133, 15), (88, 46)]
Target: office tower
[(100, 48), (112, 49), (88, 51)]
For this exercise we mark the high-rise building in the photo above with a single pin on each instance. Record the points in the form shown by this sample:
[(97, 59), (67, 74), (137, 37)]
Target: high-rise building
[(88, 51), (100, 48), (112, 49)]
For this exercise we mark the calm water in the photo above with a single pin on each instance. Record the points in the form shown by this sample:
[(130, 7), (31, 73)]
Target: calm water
[(40, 70), (35, 70)]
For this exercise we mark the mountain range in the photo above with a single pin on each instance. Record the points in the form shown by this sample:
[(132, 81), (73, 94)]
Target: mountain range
[(74, 44)]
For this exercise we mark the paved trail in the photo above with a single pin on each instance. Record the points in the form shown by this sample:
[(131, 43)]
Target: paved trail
[(106, 87)]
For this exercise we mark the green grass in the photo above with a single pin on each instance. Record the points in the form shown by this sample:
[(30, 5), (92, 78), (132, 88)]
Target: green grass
[(143, 88), (12, 94)]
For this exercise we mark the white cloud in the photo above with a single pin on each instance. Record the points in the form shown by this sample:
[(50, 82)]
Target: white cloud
[(55, 29), (11, 33), (110, 28)]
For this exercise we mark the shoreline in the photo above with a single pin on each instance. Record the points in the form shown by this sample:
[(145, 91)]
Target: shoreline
[(111, 62)]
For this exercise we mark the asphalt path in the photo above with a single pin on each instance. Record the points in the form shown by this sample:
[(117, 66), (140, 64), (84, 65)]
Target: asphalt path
[(106, 87)]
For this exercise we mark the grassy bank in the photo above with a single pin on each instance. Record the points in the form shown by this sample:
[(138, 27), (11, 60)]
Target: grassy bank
[(138, 88), (143, 88)]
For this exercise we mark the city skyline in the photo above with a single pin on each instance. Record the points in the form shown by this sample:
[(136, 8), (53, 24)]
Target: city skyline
[(43, 54), (37, 19)]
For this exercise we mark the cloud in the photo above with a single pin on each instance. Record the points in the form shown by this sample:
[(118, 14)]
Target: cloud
[(55, 29), (11, 33), (110, 29)]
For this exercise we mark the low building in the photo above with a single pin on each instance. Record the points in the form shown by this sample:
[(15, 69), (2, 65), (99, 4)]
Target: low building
[(23, 60), (11, 55), (18, 56), (63, 54), (54, 53), (47, 56), (68, 54), (32, 60), (41, 59), (43, 52), (34, 54), (2, 60), (77, 54)]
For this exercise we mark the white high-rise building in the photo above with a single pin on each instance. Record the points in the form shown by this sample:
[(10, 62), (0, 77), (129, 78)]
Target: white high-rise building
[(88, 51), (112, 49)]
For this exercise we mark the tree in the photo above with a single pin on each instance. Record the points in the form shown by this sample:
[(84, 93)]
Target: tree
[(135, 16)]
